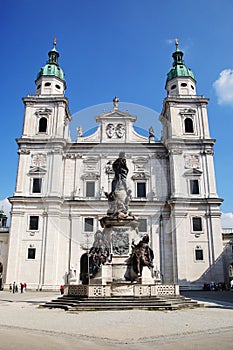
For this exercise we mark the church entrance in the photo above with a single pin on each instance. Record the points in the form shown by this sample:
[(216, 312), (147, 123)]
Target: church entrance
[(84, 268)]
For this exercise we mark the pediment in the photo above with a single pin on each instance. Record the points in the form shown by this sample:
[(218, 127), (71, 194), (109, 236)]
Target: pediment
[(116, 114), (193, 172), (37, 170)]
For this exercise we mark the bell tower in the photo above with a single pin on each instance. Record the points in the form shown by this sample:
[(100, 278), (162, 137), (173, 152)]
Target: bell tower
[(47, 113), (194, 204)]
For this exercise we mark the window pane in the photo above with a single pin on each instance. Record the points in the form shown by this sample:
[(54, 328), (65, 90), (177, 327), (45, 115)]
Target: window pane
[(31, 253), (90, 189), (141, 189), (88, 224), (188, 125), (199, 254), (33, 224), (143, 225), (194, 186), (36, 188), (42, 124), (197, 226)]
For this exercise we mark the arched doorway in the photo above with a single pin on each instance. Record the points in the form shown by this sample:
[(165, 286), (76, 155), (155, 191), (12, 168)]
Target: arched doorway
[(84, 268)]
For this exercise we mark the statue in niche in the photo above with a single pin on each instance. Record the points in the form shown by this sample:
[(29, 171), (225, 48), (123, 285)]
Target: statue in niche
[(142, 255), (99, 253)]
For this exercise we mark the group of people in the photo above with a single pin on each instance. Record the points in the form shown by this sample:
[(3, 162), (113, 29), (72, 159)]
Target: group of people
[(14, 287)]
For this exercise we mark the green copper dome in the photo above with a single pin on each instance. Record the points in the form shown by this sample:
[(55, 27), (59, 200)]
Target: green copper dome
[(52, 67), (179, 69)]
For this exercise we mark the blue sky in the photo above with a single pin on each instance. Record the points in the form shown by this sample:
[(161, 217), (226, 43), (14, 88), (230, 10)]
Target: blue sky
[(121, 48)]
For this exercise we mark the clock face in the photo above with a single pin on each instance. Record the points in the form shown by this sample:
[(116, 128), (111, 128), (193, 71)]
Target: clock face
[(39, 159)]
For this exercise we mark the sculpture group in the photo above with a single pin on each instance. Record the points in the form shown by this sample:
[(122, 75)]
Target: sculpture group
[(118, 216)]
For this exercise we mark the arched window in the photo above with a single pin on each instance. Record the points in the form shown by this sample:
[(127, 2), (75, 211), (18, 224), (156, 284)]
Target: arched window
[(188, 125), (43, 124)]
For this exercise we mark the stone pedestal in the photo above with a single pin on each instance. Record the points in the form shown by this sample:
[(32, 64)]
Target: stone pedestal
[(119, 234), (146, 277), (73, 281)]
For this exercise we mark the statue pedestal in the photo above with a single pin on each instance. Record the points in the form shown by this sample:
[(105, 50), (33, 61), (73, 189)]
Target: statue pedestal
[(146, 277), (119, 234), (73, 281)]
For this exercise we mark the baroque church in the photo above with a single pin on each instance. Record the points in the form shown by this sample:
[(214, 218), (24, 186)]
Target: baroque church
[(59, 197)]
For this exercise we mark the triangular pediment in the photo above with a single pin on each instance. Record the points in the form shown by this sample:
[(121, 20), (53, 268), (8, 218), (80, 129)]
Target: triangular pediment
[(116, 114), (193, 172), (37, 170)]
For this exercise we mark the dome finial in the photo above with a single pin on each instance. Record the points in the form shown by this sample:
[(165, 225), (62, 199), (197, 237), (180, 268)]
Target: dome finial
[(54, 42), (176, 43)]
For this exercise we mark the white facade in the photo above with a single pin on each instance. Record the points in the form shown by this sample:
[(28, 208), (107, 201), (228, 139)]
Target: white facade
[(59, 197)]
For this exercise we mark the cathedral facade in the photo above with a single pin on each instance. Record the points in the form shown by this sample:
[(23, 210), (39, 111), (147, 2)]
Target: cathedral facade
[(61, 184)]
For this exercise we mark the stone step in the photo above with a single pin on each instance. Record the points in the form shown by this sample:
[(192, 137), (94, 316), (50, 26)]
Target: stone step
[(119, 303)]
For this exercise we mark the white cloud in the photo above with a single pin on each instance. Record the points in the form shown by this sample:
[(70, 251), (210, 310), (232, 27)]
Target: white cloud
[(6, 207), (224, 87), (227, 220)]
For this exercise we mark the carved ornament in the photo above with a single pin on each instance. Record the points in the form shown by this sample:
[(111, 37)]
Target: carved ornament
[(38, 159), (90, 176), (192, 161), (23, 151), (120, 243)]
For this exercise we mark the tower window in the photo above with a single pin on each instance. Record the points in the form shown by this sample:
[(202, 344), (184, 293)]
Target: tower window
[(141, 189), (173, 87), (90, 189), (47, 84), (183, 84), (188, 125), (88, 224), (199, 254), (34, 223), (43, 124), (31, 253), (192, 87), (194, 187), (36, 185), (38, 87), (57, 86), (197, 224)]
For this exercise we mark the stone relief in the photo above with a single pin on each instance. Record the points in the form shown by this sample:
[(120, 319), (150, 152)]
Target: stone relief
[(110, 130), (115, 131), (120, 130), (120, 243), (43, 111), (39, 159), (192, 161)]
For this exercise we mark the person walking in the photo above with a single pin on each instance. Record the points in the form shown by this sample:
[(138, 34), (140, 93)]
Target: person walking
[(62, 289)]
